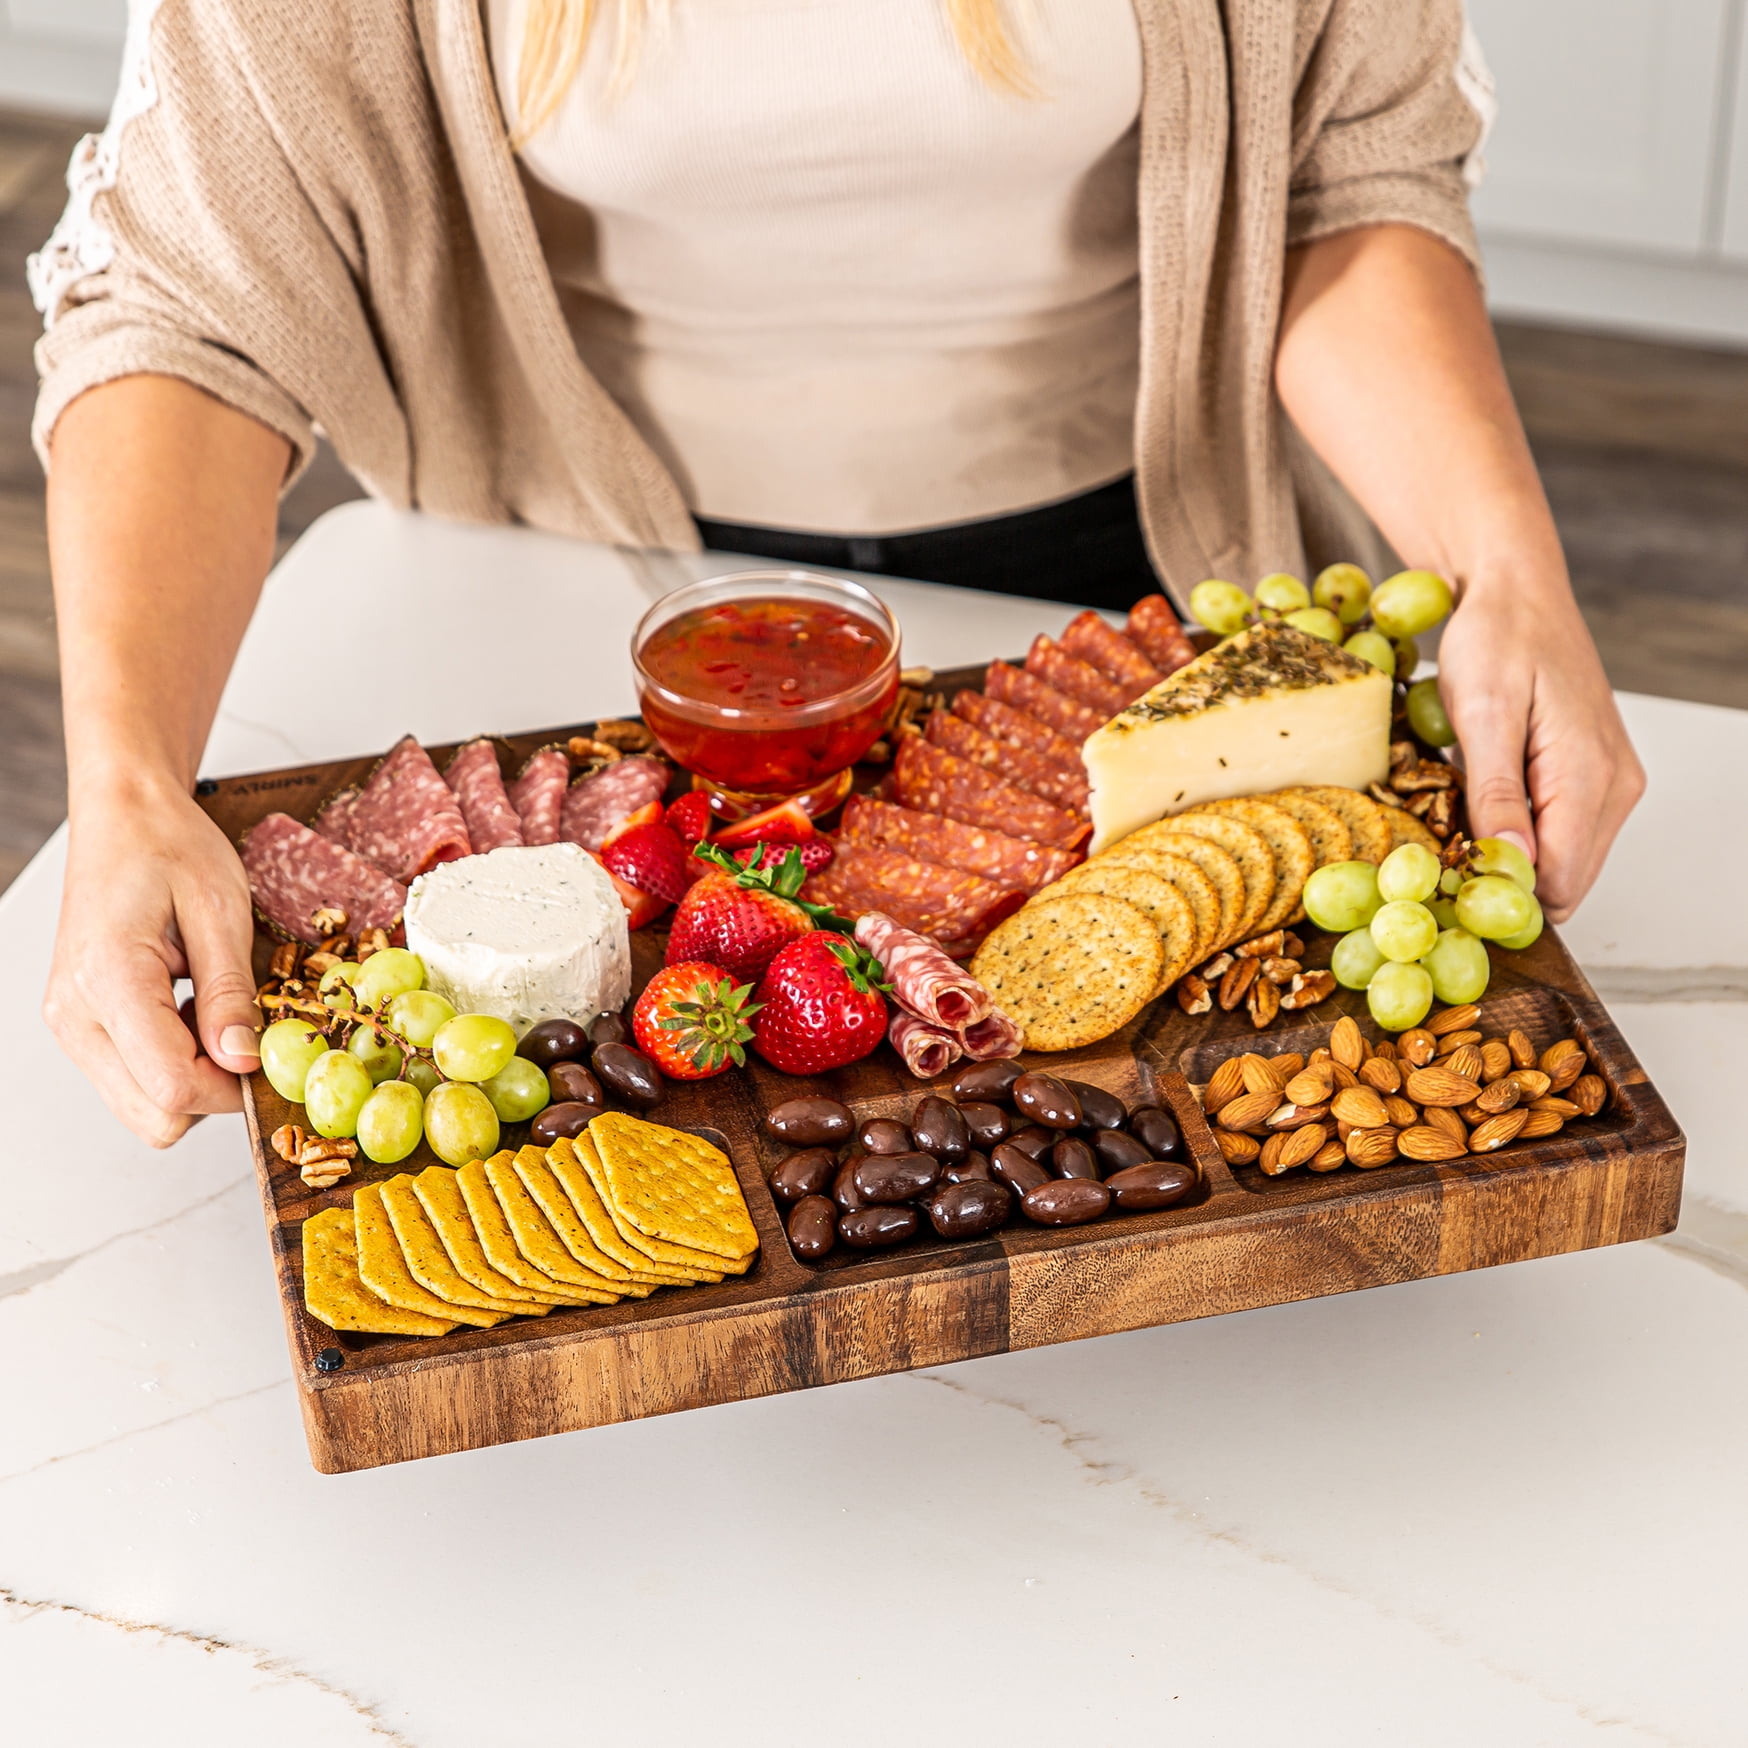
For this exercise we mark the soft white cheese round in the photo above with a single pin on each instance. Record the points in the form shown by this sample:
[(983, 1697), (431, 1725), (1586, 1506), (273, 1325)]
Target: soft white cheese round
[(527, 934)]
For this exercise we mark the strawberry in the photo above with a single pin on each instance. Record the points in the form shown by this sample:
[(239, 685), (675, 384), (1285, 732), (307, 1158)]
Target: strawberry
[(649, 814), (815, 854), (822, 1006), (651, 857), (786, 823), (738, 917), (641, 908), (689, 818), (691, 1021)]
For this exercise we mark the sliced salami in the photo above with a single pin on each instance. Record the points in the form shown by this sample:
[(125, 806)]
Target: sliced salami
[(927, 1050), (1068, 716), (1088, 637), (405, 820), (925, 982), (991, 1038), (295, 872), (334, 821), (538, 794), (933, 781), (1018, 863), (593, 806), (1154, 626), (1056, 667), (946, 903), (1063, 785), (492, 823), (1015, 728)]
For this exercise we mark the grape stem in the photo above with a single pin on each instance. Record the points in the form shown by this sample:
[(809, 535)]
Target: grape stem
[(338, 1024)]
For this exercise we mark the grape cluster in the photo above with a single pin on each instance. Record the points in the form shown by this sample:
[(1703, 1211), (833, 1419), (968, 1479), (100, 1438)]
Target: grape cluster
[(1413, 929), (1377, 625)]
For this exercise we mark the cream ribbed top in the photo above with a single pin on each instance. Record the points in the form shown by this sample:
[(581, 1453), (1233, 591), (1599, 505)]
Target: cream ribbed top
[(837, 281)]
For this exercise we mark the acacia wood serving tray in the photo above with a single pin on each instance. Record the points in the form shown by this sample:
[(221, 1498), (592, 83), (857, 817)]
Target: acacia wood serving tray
[(1243, 1240)]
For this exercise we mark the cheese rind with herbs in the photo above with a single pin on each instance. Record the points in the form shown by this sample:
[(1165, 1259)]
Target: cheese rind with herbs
[(525, 933), (1267, 709)]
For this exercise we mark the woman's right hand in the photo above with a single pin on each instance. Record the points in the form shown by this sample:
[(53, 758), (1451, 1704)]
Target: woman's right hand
[(154, 891)]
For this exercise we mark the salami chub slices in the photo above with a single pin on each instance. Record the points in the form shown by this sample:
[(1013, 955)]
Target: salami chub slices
[(1068, 716), (933, 781), (405, 819), (1063, 785), (1015, 728), (1017, 863), (492, 823), (1052, 664), (947, 903), (295, 872), (334, 822), (1087, 637), (594, 805), (538, 794), (1155, 628)]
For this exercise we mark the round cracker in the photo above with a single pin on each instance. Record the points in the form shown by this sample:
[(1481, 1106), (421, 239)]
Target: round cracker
[(1218, 865), (1288, 842), (1256, 862), (1362, 816), (1203, 896), (1406, 829), (1071, 968), (1169, 910), (1331, 841)]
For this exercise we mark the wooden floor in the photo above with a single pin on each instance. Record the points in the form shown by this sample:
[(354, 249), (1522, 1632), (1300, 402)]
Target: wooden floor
[(1644, 449)]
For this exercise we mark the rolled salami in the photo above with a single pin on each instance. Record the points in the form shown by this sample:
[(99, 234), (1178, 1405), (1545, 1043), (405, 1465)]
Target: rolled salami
[(405, 819), (992, 1037), (1102, 646), (1068, 716), (927, 1050), (1153, 624), (538, 794), (933, 781), (295, 872), (1063, 785), (1017, 863), (1052, 664), (492, 823), (947, 903), (925, 982), (593, 806)]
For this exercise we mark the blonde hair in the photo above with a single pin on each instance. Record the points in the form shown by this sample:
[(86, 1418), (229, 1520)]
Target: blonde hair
[(555, 38)]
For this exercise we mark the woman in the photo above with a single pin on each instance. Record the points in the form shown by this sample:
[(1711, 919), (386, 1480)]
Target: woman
[(884, 281)]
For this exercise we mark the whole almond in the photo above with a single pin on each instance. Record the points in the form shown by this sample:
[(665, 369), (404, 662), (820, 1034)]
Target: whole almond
[(1361, 1106), (1308, 1087), (1502, 1095), (1345, 1043), (1342, 1131), (1488, 1137), (1417, 1047), (1258, 1072), (1329, 1157), (1381, 1074), (1225, 1085), (1370, 1148), (1535, 1084), (1589, 1093), (1451, 1042), (1466, 1061), (1523, 1052), (1557, 1052), (1438, 1086), (1564, 1109), (1472, 1114), (1303, 1145), (1286, 1066), (1443, 1118), (1319, 1058), (1495, 1059), (1272, 1149), (1295, 1116), (1236, 1149), (1342, 1075), (1384, 1050), (1249, 1110), (1567, 1072), (1453, 1020), (1400, 1112), (1540, 1125), (1430, 1145)]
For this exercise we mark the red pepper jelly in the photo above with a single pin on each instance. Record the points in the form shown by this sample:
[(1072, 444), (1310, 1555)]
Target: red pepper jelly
[(768, 684)]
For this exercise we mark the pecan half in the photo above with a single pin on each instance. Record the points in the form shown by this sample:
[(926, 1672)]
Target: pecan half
[(1308, 989), (1235, 985), (1193, 994)]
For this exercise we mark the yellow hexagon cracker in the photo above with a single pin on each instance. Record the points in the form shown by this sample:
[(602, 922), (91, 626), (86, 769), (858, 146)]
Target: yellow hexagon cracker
[(535, 1237), (446, 1208), (498, 1240), (335, 1294), (577, 1179), (428, 1262), (548, 1195), (383, 1266), (679, 1264), (673, 1189)]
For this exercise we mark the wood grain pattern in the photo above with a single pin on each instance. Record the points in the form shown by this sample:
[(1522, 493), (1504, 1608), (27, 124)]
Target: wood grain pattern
[(1244, 1241)]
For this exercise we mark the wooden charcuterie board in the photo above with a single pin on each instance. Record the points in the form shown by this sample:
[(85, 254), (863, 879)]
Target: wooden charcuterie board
[(1243, 1240)]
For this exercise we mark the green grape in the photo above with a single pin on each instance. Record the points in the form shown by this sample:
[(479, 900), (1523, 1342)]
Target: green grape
[(1404, 931), (381, 1059), (1399, 996), (1342, 896), (1426, 714), (517, 1090), (289, 1048), (391, 1122), (1450, 882), (460, 1123), (1281, 593), (1525, 937), (1459, 968), (1444, 911), (421, 1074), (1410, 602), (1501, 856), (1410, 871), (394, 971), (334, 1092), (1318, 621), (1494, 907), (1222, 607), (1407, 659), (473, 1047), (419, 1016), (1355, 959), (337, 988), (1345, 590), (1369, 646)]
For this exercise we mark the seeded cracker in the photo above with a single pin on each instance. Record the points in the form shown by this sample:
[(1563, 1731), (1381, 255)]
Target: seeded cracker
[(535, 1237), (1167, 908), (1406, 829), (1331, 841), (1215, 863), (672, 1194), (1359, 813), (537, 1181), (1250, 850), (335, 1294), (1071, 969), (428, 1262), (446, 1208), (1204, 899), (577, 1168), (383, 1267), (1288, 842)]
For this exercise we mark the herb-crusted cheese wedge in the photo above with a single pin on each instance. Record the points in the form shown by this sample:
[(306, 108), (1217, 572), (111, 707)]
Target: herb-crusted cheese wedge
[(1268, 709)]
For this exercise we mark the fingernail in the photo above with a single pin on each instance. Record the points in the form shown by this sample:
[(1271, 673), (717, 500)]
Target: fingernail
[(239, 1041), (1519, 840)]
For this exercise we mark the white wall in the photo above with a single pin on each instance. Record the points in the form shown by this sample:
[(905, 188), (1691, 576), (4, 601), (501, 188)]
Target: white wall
[(60, 55)]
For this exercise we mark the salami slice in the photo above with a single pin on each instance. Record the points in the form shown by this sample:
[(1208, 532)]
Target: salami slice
[(1088, 637), (991, 1038), (405, 820), (492, 823), (933, 781), (335, 819), (927, 1050), (1068, 716), (1153, 624), (1063, 785), (538, 794), (593, 806), (294, 872), (925, 982), (947, 903), (1015, 728), (1056, 667), (1012, 862)]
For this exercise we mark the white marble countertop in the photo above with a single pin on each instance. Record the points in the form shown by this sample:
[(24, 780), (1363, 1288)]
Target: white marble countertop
[(1502, 1508)]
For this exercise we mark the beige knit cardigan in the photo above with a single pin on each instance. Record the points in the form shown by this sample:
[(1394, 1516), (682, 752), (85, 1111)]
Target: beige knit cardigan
[(311, 212)]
